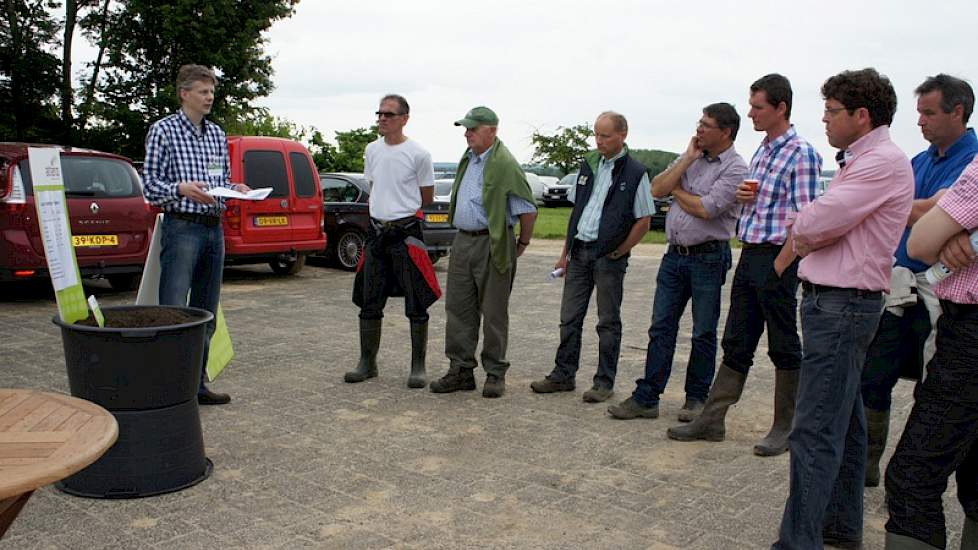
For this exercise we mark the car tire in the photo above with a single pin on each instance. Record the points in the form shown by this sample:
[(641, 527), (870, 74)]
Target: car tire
[(348, 249), (284, 266), (124, 281)]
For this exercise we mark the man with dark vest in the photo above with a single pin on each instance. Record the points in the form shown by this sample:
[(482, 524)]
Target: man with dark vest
[(612, 211), (703, 183)]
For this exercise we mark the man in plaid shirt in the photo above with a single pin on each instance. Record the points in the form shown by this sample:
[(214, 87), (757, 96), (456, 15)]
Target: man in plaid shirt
[(942, 430), (185, 156), (766, 280)]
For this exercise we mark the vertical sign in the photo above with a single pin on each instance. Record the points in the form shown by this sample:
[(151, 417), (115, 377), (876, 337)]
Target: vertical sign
[(52, 218)]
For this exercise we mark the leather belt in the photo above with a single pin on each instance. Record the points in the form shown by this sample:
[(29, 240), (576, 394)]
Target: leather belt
[(702, 248), (203, 219), (959, 311), (812, 287), (474, 233)]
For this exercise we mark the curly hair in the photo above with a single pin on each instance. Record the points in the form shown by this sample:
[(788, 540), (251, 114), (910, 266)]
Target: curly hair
[(865, 88)]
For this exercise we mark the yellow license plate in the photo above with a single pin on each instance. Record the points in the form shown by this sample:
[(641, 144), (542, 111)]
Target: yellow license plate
[(269, 221), (436, 218), (95, 240)]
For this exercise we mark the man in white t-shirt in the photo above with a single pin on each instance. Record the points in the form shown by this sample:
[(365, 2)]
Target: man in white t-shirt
[(395, 261)]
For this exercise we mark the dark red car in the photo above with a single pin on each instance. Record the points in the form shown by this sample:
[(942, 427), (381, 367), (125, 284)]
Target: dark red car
[(110, 221)]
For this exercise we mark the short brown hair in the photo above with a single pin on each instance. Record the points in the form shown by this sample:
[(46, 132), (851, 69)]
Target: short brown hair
[(189, 74), (618, 120)]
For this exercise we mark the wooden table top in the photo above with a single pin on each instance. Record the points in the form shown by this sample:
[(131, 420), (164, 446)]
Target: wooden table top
[(46, 437)]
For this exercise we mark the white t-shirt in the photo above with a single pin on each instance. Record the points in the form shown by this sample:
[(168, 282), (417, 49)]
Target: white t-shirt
[(396, 173)]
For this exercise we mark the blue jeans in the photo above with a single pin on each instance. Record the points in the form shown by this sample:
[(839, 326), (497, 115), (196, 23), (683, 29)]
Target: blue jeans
[(828, 436), (696, 276), (192, 261), (585, 272)]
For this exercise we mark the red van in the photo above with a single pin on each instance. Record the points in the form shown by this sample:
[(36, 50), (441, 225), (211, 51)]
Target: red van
[(288, 225), (110, 221)]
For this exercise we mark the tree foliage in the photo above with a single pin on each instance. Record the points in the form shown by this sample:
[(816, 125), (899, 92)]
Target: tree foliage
[(260, 122), (564, 149), (347, 154), (655, 160), (30, 74)]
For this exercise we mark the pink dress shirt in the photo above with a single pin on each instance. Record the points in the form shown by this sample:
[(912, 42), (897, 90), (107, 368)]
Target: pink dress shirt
[(961, 203), (855, 227)]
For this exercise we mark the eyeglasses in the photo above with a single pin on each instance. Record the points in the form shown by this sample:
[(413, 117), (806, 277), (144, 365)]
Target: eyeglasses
[(387, 114), (707, 125), (834, 110)]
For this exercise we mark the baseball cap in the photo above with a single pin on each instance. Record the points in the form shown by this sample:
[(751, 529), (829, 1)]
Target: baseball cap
[(478, 116)]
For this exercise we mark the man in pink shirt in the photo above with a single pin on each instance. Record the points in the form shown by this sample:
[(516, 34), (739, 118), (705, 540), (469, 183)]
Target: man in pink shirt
[(846, 238), (941, 434)]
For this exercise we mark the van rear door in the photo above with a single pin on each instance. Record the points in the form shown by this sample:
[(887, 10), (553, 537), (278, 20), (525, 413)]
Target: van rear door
[(271, 219), (307, 213)]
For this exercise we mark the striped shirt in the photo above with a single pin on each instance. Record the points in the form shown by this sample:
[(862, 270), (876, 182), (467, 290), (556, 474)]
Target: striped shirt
[(788, 168), (470, 214), (177, 152), (961, 203)]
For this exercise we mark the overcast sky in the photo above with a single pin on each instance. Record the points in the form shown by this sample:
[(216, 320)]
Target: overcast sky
[(549, 63)]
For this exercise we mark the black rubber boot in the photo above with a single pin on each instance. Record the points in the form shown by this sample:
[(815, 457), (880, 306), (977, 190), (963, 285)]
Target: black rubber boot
[(785, 392), (877, 428), (709, 425), (369, 344), (419, 346)]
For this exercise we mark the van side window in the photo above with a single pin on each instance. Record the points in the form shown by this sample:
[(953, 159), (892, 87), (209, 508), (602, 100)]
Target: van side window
[(266, 169), (305, 183)]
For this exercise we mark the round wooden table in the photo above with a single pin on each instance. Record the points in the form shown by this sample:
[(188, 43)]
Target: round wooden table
[(45, 437)]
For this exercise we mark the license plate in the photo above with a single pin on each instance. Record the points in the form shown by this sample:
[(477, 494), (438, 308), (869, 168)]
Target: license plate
[(664, 209), (436, 218), (269, 221), (95, 240)]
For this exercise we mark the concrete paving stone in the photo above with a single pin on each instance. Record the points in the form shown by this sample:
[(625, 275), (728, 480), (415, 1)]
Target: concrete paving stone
[(305, 460)]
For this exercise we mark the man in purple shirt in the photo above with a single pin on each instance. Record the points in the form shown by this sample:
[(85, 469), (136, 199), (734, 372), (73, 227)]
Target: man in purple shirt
[(846, 239), (703, 183), (765, 283)]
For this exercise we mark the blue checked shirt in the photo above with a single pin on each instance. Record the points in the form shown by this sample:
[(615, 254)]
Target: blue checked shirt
[(177, 152), (470, 214), (590, 222)]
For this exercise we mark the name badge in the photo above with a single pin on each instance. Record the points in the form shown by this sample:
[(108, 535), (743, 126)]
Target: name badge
[(582, 180), (215, 168)]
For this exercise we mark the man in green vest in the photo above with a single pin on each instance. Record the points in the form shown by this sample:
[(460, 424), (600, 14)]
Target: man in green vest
[(489, 195)]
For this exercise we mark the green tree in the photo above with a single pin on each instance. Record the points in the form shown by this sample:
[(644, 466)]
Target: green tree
[(347, 154), (261, 122), (30, 74), (564, 149), (653, 159), (146, 42)]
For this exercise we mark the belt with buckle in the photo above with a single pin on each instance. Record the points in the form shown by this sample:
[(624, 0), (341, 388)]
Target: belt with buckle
[(702, 248), (203, 219), (820, 289)]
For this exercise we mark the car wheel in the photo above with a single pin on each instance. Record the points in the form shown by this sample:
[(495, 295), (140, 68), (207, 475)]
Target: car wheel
[(349, 248), (285, 266), (126, 281)]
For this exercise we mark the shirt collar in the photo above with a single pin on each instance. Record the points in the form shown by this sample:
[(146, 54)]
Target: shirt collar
[(966, 139), (722, 157), (877, 135), (603, 161), (480, 158), (777, 142), (190, 126)]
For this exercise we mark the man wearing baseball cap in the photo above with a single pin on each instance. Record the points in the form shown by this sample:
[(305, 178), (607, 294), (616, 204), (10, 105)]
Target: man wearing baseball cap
[(489, 195)]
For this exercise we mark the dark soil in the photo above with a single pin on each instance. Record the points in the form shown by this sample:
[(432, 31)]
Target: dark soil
[(141, 318)]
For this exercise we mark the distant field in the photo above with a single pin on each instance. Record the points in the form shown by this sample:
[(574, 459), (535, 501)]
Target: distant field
[(552, 224)]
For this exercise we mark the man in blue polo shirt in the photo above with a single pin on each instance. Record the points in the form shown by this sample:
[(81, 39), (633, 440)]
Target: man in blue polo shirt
[(904, 341)]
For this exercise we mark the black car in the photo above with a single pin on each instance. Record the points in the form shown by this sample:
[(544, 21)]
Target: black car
[(346, 220), (662, 207)]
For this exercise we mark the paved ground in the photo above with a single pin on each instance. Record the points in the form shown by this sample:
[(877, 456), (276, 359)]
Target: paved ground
[(304, 460)]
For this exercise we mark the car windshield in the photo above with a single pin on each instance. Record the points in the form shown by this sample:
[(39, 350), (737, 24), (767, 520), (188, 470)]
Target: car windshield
[(95, 177)]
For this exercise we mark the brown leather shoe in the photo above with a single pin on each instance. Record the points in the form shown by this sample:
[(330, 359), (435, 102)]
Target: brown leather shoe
[(208, 397), (630, 409), (458, 380), (597, 394), (547, 385)]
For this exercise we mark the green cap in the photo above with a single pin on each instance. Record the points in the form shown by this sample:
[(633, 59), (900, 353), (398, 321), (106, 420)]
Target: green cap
[(478, 116)]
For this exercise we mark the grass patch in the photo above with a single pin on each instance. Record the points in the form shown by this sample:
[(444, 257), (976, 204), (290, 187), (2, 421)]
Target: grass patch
[(552, 224)]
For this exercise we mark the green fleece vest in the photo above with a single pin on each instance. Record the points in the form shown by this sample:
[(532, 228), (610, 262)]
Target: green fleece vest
[(501, 177)]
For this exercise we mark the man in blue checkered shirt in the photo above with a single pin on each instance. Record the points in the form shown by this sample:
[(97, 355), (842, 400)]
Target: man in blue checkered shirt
[(185, 156)]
